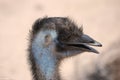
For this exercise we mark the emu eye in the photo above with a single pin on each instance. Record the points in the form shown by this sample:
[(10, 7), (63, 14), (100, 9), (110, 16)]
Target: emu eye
[(65, 37), (64, 34), (68, 36)]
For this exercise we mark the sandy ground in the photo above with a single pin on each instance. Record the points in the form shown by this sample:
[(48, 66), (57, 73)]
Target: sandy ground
[(100, 18)]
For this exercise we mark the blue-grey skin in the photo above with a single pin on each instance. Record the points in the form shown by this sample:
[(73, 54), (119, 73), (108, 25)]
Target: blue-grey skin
[(52, 41), (43, 53)]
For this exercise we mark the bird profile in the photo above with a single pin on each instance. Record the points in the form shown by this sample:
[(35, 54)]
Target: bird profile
[(51, 40)]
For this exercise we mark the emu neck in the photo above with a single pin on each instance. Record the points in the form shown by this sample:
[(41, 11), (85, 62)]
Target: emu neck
[(44, 59), (46, 63)]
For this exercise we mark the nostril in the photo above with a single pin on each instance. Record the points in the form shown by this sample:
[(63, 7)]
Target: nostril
[(92, 42)]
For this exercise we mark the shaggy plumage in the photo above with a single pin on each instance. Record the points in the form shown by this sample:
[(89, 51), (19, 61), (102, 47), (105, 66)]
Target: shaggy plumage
[(52, 40)]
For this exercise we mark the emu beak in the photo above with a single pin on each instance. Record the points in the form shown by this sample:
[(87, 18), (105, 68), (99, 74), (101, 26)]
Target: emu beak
[(85, 43)]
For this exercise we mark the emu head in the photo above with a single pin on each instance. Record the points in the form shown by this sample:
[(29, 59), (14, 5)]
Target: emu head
[(62, 36)]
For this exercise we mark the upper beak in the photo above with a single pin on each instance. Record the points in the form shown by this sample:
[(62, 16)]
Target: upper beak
[(85, 43), (89, 41)]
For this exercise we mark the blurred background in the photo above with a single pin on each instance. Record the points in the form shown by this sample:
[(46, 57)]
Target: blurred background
[(100, 20)]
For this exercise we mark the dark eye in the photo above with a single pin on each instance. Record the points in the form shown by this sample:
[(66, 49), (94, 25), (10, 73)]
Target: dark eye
[(67, 37), (64, 35)]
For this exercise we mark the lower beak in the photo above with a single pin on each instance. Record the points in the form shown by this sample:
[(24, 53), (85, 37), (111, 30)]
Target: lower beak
[(87, 47)]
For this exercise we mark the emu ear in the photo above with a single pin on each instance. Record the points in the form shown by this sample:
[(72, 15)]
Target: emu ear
[(48, 40)]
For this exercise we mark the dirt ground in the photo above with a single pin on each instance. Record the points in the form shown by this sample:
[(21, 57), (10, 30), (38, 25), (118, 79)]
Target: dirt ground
[(100, 20)]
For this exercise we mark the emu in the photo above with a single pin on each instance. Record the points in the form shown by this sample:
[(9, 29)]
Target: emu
[(51, 40)]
